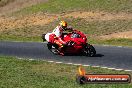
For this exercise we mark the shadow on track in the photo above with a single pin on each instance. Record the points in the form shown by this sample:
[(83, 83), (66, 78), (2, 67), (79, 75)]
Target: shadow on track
[(97, 55)]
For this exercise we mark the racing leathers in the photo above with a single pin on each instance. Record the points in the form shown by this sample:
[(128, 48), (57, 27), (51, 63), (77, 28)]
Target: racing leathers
[(56, 36), (58, 31)]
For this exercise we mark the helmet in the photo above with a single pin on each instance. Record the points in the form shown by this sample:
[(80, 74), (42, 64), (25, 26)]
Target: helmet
[(63, 24)]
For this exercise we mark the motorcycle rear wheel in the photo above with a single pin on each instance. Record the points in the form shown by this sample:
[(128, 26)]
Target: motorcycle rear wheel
[(53, 48)]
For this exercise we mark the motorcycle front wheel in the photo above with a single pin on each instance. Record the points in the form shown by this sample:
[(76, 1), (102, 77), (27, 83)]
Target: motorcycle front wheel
[(89, 50)]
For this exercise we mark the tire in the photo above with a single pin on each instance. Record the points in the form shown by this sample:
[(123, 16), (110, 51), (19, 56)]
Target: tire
[(43, 37), (53, 48), (90, 50)]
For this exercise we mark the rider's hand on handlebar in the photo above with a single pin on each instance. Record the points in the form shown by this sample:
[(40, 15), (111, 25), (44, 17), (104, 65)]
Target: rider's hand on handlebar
[(70, 29)]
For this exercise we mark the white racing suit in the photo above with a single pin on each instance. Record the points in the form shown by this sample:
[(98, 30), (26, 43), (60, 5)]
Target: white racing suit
[(57, 33)]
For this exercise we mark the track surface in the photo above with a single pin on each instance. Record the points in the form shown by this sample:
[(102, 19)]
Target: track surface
[(108, 56)]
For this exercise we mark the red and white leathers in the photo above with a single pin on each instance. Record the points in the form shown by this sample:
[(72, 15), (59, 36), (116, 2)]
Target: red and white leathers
[(55, 36)]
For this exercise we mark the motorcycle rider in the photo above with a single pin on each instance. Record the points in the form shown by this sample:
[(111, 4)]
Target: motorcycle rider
[(57, 35)]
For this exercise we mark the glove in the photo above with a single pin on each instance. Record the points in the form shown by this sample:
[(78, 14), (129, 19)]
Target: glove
[(69, 28)]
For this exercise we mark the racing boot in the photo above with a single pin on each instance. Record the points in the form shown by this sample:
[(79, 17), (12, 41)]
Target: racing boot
[(62, 49)]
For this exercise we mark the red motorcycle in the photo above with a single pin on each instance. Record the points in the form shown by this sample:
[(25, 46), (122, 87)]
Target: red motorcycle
[(77, 44)]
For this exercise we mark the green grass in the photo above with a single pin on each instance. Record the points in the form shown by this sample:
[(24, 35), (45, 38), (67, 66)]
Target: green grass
[(100, 27), (120, 41), (16, 73), (61, 6), (88, 27), (113, 41), (31, 33), (20, 38), (92, 28)]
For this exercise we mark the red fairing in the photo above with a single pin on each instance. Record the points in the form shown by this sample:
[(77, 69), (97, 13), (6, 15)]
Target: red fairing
[(52, 38), (71, 43), (79, 41)]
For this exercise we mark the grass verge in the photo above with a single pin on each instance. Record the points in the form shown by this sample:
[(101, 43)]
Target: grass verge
[(92, 28), (59, 6), (20, 38), (16, 73), (120, 41), (88, 27)]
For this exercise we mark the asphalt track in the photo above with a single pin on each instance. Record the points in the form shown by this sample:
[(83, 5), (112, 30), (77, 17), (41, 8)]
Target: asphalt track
[(107, 56)]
